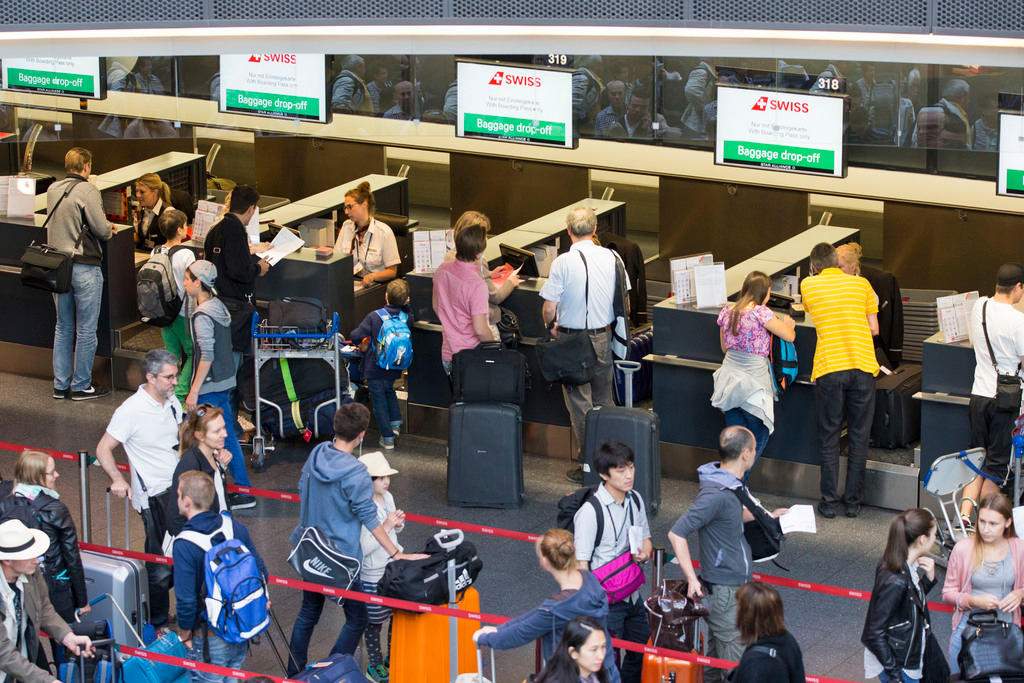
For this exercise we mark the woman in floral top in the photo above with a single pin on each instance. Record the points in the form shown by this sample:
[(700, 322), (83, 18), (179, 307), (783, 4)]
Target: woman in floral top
[(744, 389)]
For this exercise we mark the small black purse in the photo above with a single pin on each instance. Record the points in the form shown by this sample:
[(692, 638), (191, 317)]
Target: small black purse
[(48, 268), (1008, 388), (569, 358)]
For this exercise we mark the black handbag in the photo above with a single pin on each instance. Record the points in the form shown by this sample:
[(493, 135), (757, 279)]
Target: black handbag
[(569, 358), (764, 532), (508, 329), (1008, 388), (426, 580), (317, 560), (990, 647), (48, 268), (489, 374)]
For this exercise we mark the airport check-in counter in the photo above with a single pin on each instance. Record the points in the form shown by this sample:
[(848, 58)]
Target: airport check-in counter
[(391, 195), (947, 374), (26, 337)]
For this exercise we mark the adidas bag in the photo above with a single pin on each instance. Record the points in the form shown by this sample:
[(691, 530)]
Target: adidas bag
[(394, 341), (783, 362), (156, 290), (426, 580), (235, 590)]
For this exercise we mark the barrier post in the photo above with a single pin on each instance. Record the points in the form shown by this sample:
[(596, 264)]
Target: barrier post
[(658, 558), (83, 474)]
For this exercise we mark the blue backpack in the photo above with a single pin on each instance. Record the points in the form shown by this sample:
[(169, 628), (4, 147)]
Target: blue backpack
[(235, 590), (784, 366), (394, 341)]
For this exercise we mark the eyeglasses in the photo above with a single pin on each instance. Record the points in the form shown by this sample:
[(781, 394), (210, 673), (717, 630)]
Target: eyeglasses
[(169, 376), (349, 207)]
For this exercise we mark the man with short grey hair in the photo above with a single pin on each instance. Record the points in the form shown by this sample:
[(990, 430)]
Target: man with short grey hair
[(578, 299), (147, 426)]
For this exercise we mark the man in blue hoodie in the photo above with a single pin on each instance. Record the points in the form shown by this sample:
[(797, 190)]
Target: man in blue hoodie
[(338, 499), (717, 515), (195, 496)]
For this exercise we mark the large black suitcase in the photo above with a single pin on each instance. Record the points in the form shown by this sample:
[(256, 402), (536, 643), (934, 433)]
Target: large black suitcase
[(636, 428), (489, 373), (897, 422), (485, 455)]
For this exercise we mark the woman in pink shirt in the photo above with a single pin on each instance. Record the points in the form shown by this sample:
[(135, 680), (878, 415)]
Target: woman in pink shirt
[(986, 571), (460, 296)]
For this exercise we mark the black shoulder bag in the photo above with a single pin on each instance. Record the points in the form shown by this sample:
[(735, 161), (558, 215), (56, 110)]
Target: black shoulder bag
[(1008, 389), (569, 358), (763, 533), (46, 267)]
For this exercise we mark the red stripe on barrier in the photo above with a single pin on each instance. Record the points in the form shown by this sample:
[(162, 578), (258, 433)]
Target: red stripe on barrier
[(195, 666), (466, 526), (264, 493), (18, 448), (132, 554)]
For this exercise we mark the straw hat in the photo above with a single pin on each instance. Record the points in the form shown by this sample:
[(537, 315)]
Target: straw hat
[(377, 465), (18, 542)]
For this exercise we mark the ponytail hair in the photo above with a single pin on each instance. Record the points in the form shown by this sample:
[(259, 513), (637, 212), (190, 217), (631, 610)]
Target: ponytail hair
[(153, 182), (755, 288), (361, 193), (198, 421), (906, 527)]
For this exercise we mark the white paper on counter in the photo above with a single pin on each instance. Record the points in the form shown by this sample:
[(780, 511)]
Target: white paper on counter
[(954, 311), (252, 228), (636, 539), (421, 252), (285, 243), (21, 196), (800, 518), (709, 285), (438, 248)]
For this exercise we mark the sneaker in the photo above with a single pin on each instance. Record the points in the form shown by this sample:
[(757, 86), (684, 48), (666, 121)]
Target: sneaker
[(827, 510), (396, 427), (377, 672), (241, 501), (575, 475), (90, 393), (60, 394), (852, 510), (386, 443)]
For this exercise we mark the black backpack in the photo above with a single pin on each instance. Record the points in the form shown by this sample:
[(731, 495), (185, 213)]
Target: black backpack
[(426, 580), (23, 509), (569, 505)]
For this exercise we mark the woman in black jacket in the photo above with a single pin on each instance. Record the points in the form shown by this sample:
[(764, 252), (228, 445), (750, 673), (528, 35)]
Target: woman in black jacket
[(34, 477), (897, 630), (772, 654), (202, 448)]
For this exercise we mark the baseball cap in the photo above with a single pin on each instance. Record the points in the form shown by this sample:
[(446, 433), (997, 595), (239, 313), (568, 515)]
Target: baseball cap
[(1010, 274), (205, 272)]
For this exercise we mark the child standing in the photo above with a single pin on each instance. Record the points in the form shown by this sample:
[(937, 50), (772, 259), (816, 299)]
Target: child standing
[(177, 339), (381, 382), (375, 558)]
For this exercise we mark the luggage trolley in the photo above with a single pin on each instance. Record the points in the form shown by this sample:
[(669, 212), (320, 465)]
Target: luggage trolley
[(271, 342)]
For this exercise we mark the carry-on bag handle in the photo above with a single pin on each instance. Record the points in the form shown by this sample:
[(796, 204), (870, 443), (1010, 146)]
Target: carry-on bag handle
[(628, 367)]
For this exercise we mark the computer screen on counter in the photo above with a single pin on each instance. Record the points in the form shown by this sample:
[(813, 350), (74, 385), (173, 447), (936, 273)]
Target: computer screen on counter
[(515, 104), (286, 85), (780, 131)]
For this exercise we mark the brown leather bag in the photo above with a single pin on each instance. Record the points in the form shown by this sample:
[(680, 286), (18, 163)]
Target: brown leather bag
[(673, 617)]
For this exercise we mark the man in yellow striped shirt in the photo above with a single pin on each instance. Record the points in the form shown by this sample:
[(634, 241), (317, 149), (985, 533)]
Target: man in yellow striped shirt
[(845, 314)]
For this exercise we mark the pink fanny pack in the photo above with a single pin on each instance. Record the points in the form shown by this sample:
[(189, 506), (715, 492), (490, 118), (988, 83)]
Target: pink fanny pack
[(620, 577)]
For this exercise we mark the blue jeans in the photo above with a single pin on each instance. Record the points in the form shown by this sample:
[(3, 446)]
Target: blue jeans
[(385, 406), (904, 678), (738, 416), (222, 653), (309, 614), (220, 399), (74, 337)]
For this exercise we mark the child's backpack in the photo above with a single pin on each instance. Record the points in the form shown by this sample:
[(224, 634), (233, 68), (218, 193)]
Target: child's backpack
[(783, 361), (394, 341), (234, 589), (156, 290)]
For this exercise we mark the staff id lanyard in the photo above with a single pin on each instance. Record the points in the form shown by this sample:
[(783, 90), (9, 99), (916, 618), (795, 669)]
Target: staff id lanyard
[(355, 246)]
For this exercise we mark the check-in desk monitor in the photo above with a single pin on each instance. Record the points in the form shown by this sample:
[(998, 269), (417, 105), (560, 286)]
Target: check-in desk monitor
[(522, 259)]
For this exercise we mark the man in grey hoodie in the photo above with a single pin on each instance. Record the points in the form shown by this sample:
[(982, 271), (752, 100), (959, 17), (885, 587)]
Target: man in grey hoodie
[(213, 374), (337, 496), (717, 515), (77, 225)]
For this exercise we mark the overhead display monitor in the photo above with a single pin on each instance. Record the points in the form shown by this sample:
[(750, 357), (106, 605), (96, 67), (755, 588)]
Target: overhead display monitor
[(780, 131), (1010, 181), (515, 103), (287, 86), (71, 76)]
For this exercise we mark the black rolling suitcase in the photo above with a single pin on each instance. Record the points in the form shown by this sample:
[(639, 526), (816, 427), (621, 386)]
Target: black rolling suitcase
[(897, 422), (485, 455), (489, 373)]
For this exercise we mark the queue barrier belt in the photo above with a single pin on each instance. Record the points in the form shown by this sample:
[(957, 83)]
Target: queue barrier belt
[(824, 589)]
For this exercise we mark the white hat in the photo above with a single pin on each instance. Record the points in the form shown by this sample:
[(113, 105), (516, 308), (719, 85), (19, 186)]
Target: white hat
[(377, 465), (18, 542)]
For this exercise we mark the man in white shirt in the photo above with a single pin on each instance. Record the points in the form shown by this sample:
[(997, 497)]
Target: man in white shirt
[(622, 509), (578, 299), (992, 428), (147, 426)]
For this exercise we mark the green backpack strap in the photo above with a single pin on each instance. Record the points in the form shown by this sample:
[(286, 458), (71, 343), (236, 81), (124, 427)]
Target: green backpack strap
[(293, 398)]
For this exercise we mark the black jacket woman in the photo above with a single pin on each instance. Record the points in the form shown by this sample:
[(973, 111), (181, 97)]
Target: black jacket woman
[(897, 630), (34, 478), (772, 654), (202, 448)]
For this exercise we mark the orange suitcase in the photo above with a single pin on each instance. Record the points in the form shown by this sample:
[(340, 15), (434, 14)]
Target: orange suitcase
[(664, 670), (420, 644)]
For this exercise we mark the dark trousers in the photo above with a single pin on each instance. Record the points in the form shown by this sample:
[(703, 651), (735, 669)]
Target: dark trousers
[(309, 614), (628, 621), (851, 392), (738, 416), (159, 575)]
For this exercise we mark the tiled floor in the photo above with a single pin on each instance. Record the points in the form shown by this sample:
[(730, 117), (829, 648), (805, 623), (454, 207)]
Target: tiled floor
[(843, 553)]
